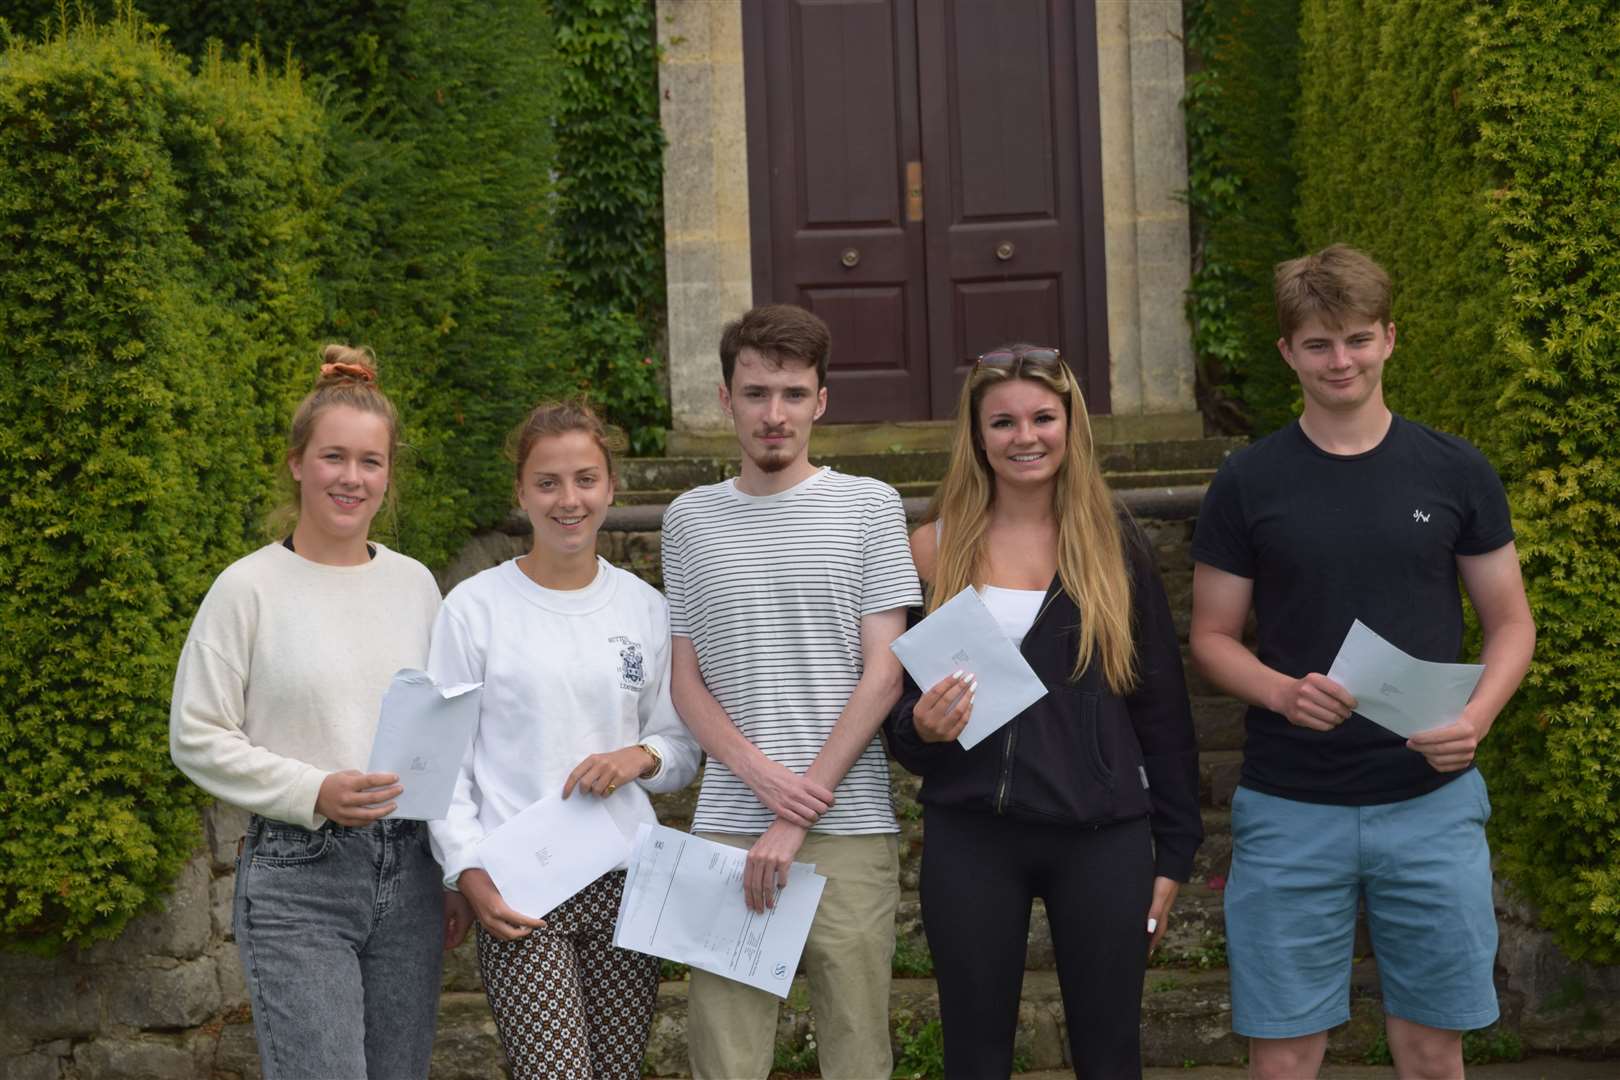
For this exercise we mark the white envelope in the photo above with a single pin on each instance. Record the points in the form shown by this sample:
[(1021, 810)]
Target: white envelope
[(551, 850), (422, 735), (1398, 691), (962, 635)]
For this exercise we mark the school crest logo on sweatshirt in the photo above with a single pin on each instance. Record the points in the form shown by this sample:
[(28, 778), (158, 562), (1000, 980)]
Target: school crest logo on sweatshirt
[(632, 668)]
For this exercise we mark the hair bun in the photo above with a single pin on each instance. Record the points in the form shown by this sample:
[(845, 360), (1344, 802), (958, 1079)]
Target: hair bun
[(343, 362)]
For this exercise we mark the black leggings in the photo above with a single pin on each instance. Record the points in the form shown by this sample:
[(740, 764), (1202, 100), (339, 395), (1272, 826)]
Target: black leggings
[(980, 874)]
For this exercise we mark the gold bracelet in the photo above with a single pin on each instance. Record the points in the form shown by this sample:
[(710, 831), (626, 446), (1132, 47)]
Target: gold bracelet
[(657, 765)]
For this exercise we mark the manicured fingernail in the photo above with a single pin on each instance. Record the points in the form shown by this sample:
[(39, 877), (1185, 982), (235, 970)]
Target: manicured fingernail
[(973, 685), (956, 674), (1153, 924)]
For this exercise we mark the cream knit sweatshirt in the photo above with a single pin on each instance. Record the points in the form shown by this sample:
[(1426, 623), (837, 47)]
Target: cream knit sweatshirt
[(282, 676)]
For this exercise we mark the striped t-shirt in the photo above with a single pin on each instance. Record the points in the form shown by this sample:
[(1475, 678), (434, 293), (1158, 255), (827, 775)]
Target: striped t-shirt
[(771, 589)]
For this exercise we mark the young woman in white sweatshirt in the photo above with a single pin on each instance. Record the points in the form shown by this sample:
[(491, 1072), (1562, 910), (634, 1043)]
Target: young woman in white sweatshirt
[(339, 913), (574, 657)]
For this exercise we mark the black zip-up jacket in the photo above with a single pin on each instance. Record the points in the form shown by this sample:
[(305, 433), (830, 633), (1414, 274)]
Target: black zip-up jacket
[(1081, 755)]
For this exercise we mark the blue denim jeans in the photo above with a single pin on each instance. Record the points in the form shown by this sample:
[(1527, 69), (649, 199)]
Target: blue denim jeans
[(341, 937)]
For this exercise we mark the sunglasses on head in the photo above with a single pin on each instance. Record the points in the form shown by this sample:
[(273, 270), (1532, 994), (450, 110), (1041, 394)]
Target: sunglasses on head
[(1007, 358)]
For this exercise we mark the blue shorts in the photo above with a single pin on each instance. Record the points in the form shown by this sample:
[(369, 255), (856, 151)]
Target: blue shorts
[(1297, 871)]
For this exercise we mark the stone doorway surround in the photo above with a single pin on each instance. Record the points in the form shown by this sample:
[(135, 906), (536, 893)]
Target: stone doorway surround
[(1141, 73)]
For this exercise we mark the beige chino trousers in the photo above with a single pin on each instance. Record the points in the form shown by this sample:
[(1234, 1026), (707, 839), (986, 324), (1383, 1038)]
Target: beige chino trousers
[(731, 1028)]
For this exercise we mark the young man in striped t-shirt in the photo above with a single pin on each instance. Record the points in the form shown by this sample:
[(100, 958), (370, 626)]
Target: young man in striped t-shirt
[(786, 587)]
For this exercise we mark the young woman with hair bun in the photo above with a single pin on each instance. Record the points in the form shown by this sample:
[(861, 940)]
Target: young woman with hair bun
[(574, 656), (339, 913), (1088, 798)]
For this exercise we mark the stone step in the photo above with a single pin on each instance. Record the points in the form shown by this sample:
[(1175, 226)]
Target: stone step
[(935, 435), (1186, 1011), (1218, 772), (1214, 856), (1186, 1017), (1185, 1023), (1195, 939), (1155, 503), (1219, 722), (901, 467), (675, 810), (924, 489)]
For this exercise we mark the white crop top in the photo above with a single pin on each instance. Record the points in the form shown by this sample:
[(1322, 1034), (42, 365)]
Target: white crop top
[(1014, 609)]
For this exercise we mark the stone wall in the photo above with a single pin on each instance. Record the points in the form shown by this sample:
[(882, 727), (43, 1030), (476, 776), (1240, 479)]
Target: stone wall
[(166, 1000)]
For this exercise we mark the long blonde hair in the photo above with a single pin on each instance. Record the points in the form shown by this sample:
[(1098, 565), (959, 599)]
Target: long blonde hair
[(1091, 556)]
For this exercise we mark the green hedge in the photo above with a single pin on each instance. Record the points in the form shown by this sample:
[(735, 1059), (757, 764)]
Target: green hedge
[(176, 244), (610, 153), (1241, 94), (497, 216), (446, 271), (609, 224), (158, 238), (1475, 150)]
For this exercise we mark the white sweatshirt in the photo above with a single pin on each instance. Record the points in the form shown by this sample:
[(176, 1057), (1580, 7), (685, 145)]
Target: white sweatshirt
[(566, 674), (282, 676)]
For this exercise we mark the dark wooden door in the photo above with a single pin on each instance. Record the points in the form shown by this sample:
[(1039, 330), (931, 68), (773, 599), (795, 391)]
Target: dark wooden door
[(1010, 152), (832, 117), (924, 174)]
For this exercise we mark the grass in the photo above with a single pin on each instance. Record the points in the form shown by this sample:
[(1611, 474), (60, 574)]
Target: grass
[(1490, 1045), (798, 1059), (922, 1050), (1486, 1046), (1208, 955), (912, 960)]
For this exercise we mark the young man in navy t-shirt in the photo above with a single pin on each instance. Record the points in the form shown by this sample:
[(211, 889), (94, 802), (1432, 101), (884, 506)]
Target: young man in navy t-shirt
[(1354, 513)]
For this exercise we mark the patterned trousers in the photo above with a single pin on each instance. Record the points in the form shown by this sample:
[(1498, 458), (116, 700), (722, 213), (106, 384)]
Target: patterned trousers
[(568, 1004)]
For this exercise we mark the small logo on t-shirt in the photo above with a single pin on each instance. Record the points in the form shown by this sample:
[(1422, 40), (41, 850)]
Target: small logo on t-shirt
[(632, 669), (1418, 515)]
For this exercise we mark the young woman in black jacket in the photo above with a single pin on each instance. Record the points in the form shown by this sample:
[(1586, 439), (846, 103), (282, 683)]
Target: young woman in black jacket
[(1088, 798)]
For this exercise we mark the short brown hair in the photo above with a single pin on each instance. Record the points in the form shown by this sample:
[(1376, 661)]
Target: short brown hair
[(781, 334), (558, 418), (1334, 284)]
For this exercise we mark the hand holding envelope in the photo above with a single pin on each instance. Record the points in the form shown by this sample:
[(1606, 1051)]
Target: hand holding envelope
[(944, 710), (423, 734), (962, 636), (1398, 691), (551, 850)]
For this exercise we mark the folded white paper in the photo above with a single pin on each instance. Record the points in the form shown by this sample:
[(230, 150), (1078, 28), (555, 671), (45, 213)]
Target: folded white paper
[(551, 850), (962, 635), (423, 734), (1398, 691), (683, 901)]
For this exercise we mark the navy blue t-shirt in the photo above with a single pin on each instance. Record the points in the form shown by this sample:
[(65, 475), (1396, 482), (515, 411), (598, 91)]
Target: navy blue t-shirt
[(1328, 539)]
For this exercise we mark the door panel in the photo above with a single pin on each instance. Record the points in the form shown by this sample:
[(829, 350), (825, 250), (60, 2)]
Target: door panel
[(999, 109), (1006, 244), (840, 122), (842, 71), (1006, 311)]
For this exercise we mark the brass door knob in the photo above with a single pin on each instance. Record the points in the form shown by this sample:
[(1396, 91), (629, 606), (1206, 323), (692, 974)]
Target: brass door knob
[(1005, 250), (850, 257)]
